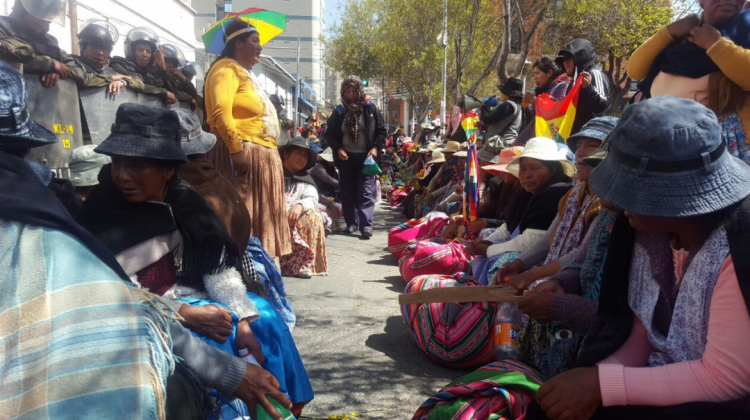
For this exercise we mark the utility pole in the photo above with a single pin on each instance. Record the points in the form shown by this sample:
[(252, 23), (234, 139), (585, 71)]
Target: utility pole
[(296, 90), (445, 66), (73, 10)]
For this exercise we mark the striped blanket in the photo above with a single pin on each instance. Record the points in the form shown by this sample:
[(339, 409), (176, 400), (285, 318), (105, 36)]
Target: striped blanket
[(78, 342), (500, 390), (415, 230)]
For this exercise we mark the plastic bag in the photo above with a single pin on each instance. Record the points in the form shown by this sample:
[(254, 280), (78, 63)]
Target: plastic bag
[(371, 167)]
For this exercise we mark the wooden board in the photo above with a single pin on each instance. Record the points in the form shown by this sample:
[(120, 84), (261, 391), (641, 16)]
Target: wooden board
[(461, 294)]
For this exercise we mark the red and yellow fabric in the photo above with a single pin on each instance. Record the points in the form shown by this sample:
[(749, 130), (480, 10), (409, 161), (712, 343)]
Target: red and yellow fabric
[(471, 184), (554, 119)]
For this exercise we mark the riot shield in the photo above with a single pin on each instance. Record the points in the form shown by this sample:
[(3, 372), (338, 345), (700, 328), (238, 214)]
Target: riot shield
[(100, 109)]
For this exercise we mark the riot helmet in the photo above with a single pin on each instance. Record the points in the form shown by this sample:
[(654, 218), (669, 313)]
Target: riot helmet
[(276, 99), (173, 53), (191, 70), (141, 34), (98, 32), (48, 10)]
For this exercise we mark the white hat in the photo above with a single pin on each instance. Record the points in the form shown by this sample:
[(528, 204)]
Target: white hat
[(542, 148), (437, 157), (436, 122), (426, 125), (327, 155)]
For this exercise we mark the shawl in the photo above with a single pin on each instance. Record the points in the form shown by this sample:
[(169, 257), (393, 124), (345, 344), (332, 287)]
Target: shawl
[(353, 110), (301, 176), (576, 210), (59, 284), (206, 245)]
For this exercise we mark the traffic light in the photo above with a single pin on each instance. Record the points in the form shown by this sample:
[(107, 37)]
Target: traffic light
[(365, 83)]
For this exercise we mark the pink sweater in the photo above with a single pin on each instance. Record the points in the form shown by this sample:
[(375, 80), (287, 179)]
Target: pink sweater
[(722, 374)]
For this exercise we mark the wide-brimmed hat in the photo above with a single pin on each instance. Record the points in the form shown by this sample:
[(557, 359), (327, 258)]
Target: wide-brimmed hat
[(506, 157), (17, 130), (85, 164), (597, 129), (512, 87), (195, 141), (144, 131), (313, 139), (426, 126), (461, 154), (451, 147), (542, 148), (490, 151), (437, 157), (327, 155), (413, 148), (301, 143), (436, 122), (667, 159)]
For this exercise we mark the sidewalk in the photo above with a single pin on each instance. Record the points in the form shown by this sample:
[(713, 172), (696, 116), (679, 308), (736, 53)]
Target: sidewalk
[(358, 353)]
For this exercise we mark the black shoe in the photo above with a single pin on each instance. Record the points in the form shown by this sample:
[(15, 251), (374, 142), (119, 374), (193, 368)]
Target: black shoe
[(350, 230), (367, 233)]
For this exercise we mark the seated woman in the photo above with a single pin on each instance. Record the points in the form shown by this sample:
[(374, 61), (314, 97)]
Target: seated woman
[(578, 211), (168, 239), (308, 257), (704, 60), (544, 171), (674, 318), (144, 61)]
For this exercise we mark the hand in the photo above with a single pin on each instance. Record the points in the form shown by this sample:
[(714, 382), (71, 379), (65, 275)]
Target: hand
[(343, 155), (458, 189), (240, 163), (178, 75), (171, 99), (455, 219), (477, 225), (294, 214), (211, 321), (61, 69), (118, 77), (246, 340), (554, 286), (159, 59), (115, 86), (430, 200), (586, 80), (537, 305), (257, 385), (193, 105), (704, 36), (522, 281), (681, 28), (574, 394), (373, 152), (529, 98), (508, 270), (50, 79), (449, 232)]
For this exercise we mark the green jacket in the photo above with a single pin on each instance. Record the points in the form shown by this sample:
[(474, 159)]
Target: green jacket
[(156, 81), (87, 76), (37, 52)]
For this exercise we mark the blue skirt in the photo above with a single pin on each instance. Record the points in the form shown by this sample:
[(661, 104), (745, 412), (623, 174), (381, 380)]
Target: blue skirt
[(282, 358)]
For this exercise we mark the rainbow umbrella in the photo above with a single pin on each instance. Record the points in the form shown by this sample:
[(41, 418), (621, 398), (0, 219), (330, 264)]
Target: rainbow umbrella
[(269, 25)]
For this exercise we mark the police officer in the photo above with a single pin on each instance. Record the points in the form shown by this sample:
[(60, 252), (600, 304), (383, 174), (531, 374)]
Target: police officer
[(145, 59), (176, 62), (91, 68), (24, 38), (285, 126)]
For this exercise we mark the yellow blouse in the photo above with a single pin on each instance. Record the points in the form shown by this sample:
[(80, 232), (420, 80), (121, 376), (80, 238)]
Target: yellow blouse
[(238, 108)]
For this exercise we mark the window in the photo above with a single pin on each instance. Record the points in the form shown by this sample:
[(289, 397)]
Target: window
[(634, 85), (227, 6)]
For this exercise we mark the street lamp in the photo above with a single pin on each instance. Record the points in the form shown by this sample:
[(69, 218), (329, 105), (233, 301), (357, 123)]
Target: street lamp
[(443, 42)]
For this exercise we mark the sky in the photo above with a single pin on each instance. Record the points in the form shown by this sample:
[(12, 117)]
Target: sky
[(332, 11)]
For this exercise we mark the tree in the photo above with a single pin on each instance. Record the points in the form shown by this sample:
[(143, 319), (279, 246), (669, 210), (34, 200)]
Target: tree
[(615, 27), (349, 49)]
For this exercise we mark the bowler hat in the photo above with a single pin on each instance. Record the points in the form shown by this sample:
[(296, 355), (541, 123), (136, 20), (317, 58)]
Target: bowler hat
[(301, 143), (195, 141), (667, 159), (597, 129), (512, 87), (17, 130), (144, 131)]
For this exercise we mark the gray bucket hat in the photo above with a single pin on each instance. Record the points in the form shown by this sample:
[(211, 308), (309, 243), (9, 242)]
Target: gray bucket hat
[(17, 130), (667, 159), (597, 129), (490, 151), (144, 131), (85, 164), (195, 141), (302, 144)]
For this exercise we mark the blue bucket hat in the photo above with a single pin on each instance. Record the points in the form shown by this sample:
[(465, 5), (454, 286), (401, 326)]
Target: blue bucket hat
[(17, 130), (144, 131), (667, 159), (597, 129)]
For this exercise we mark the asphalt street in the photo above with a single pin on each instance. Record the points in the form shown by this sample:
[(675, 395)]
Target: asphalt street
[(357, 350)]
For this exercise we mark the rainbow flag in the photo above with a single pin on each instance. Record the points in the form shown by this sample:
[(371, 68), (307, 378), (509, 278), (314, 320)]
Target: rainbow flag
[(471, 183), (554, 119)]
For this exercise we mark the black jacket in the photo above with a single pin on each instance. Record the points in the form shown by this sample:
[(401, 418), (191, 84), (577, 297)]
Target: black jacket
[(594, 100), (335, 137)]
